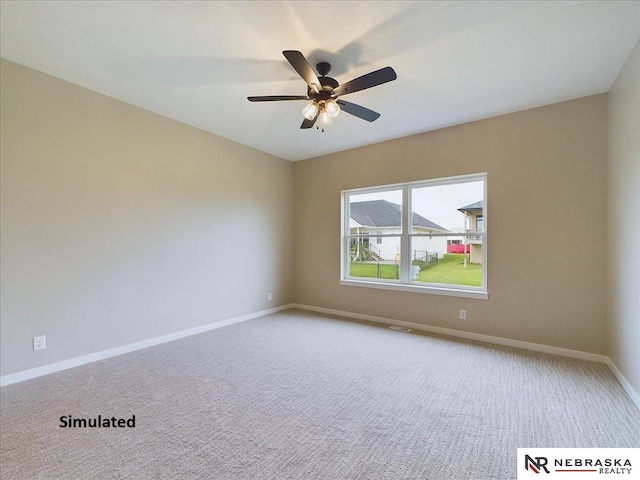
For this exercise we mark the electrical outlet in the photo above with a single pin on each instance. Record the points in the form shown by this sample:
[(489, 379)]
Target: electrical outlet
[(463, 314), (269, 296), (39, 343)]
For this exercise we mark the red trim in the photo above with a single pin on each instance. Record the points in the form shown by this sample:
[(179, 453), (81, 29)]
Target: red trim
[(576, 470)]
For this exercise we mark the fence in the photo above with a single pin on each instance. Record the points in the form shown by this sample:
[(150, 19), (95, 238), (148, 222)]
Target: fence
[(424, 259), (379, 270)]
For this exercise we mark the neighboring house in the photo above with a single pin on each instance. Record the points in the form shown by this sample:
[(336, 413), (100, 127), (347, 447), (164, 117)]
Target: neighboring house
[(474, 223), (379, 217)]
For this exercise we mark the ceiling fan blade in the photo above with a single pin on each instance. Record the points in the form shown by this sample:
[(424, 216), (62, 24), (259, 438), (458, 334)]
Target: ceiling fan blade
[(276, 98), (358, 111), (301, 65), (309, 123), (373, 79)]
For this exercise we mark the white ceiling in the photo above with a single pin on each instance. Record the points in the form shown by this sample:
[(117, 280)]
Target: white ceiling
[(196, 62)]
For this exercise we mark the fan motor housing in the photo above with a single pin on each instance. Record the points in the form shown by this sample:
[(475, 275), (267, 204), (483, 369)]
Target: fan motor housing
[(328, 84)]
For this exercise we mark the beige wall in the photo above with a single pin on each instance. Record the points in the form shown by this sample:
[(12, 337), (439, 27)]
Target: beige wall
[(119, 225), (546, 265), (623, 213)]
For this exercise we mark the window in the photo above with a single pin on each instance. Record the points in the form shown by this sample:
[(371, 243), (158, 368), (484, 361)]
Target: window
[(431, 237)]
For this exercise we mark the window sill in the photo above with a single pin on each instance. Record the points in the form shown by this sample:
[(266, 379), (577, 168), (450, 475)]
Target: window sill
[(433, 290)]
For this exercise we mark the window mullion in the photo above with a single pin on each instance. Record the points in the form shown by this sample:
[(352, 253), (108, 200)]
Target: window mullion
[(345, 257), (405, 256)]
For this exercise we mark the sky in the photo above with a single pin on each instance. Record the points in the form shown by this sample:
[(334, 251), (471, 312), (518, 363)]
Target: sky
[(438, 203)]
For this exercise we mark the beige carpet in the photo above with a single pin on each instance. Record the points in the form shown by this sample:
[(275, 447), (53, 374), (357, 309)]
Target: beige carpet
[(304, 396)]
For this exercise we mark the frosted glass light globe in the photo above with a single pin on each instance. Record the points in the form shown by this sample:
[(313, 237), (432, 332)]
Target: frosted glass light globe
[(310, 111), (324, 119), (332, 108)]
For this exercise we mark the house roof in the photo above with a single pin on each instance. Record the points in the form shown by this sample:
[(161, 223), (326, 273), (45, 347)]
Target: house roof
[(472, 208), (381, 213)]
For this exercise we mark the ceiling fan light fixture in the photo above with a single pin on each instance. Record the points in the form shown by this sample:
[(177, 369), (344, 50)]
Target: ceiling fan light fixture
[(324, 119), (310, 111), (332, 108), (323, 92)]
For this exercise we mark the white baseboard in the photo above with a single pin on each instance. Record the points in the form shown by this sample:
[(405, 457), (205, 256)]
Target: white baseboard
[(112, 352), (536, 347), (633, 395)]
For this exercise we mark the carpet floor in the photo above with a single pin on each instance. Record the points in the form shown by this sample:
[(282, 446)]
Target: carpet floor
[(297, 395)]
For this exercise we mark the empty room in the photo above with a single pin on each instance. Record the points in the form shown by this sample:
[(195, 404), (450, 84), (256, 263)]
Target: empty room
[(320, 240)]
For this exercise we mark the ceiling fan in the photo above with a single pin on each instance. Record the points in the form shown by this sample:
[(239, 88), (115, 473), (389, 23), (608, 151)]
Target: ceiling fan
[(324, 92)]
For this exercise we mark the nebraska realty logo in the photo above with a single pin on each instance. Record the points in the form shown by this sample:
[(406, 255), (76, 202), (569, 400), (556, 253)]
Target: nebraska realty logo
[(584, 463)]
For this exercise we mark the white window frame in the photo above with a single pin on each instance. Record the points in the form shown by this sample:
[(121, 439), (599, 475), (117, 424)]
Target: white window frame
[(405, 283)]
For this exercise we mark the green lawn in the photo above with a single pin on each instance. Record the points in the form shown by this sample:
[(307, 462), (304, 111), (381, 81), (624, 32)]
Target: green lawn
[(370, 270), (449, 270)]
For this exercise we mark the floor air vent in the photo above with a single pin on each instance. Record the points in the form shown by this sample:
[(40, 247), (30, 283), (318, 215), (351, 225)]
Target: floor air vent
[(400, 329)]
